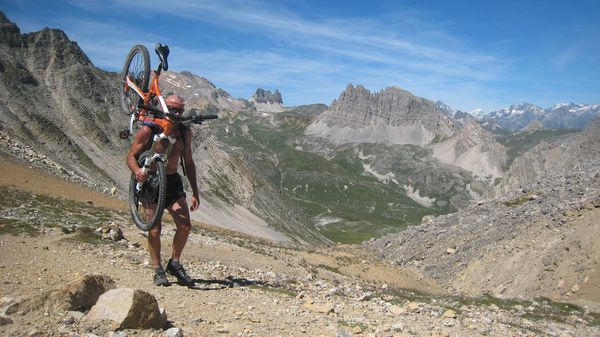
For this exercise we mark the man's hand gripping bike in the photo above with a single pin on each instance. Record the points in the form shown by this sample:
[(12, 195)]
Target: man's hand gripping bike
[(146, 105)]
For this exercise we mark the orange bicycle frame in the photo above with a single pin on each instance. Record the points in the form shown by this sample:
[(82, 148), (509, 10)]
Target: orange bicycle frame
[(153, 92)]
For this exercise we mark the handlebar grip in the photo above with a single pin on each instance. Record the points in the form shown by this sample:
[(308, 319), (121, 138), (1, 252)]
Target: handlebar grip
[(209, 116)]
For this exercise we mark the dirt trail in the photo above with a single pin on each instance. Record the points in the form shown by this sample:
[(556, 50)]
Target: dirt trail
[(24, 178)]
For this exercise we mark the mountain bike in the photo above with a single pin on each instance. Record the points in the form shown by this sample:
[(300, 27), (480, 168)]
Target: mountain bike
[(146, 106)]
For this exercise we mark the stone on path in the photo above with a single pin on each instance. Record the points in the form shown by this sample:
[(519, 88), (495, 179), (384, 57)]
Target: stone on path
[(323, 308), (128, 308)]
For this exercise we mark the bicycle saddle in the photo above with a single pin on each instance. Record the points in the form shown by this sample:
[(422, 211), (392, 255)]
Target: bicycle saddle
[(163, 53)]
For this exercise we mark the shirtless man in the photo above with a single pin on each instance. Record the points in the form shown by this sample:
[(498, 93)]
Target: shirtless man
[(175, 200)]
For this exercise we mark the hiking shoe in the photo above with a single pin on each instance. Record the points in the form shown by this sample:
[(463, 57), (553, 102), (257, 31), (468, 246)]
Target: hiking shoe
[(176, 269), (160, 278)]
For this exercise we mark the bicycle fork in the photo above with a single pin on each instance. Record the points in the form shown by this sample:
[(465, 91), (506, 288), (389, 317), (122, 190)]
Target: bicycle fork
[(156, 156)]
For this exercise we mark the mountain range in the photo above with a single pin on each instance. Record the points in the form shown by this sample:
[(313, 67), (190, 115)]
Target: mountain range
[(368, 164), (560, 116)]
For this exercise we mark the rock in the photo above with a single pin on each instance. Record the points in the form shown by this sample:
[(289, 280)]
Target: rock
[(413, 307), (163, 316), (173, 332), (451, 251), (547, 260), (323, 308), (113, 190), (342, 333), (222, 329), (449, 314), (34, 333), (357, 330), (365, 297), (117, 334), (128, 308), (77, 315), (111, 231), (6, 303), (4, 320), (575, 288), (397, 310), (78, 295), (398, 327)]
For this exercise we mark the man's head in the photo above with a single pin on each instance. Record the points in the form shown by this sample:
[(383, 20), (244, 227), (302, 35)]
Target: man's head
[(176, 104)]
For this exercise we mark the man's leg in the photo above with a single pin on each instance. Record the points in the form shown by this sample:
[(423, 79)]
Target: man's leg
[(160, 278), (154, 239), (181, 216)]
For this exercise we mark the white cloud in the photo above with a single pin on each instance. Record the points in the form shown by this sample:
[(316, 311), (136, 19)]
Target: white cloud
[(298, 53)]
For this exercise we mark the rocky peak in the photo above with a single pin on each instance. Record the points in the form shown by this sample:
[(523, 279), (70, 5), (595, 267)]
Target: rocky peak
[(266, 96), (53, 46), (391, 115), (198, 91), (9, 32)]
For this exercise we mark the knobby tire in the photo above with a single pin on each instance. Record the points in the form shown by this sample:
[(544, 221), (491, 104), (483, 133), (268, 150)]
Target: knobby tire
[(153, 190), (137, 67)]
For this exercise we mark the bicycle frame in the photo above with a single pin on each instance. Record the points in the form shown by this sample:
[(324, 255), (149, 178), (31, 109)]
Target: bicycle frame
[(164, 123), (153, 91)]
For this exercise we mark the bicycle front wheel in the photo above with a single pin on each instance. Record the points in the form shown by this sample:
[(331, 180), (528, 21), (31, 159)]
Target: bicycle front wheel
[(148, 204), (137, 69)]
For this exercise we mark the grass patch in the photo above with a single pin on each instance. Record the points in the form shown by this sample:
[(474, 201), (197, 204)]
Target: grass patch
[(538, 310), (353, 325), (330, 268), (274, 290), (17, 227), (519, 200), (87, 235), (31, 214)]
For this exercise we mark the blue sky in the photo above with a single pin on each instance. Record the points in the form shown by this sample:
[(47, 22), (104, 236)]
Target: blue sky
[(468, 54)]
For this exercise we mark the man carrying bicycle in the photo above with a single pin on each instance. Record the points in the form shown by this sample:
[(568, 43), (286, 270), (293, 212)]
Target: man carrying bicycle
[(175, 200)]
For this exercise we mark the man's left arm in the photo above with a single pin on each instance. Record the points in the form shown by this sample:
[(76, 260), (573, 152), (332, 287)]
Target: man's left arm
[(190, 169)]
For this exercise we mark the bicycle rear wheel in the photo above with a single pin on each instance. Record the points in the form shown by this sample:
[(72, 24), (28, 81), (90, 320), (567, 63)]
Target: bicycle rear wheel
[(148, 204), (137, 68)]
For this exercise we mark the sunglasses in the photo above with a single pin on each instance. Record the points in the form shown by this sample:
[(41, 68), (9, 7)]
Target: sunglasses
[(176, 110)]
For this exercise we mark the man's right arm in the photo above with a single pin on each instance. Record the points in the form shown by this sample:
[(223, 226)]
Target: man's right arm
[(137, 147)]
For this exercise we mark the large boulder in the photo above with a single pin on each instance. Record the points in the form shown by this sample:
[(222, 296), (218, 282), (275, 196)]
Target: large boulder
[(79, 295), (128, 308)]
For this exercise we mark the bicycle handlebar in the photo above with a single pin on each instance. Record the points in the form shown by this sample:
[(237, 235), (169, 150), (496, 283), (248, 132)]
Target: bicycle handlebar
[(194, 116)]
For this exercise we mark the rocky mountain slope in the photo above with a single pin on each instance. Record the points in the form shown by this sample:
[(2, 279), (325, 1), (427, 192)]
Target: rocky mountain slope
[(535, 239), (560, 116), (54, 100)]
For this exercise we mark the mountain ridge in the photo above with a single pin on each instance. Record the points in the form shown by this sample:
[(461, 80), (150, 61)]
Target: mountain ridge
[(561, 115)]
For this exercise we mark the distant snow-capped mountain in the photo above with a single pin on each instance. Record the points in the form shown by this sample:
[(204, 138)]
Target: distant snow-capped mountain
[(560, 116)]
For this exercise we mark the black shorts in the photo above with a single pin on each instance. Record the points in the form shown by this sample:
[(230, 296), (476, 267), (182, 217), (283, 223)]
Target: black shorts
[(174, 189)]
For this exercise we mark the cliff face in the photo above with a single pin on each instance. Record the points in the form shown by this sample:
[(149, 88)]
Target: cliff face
[(395, 116)]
